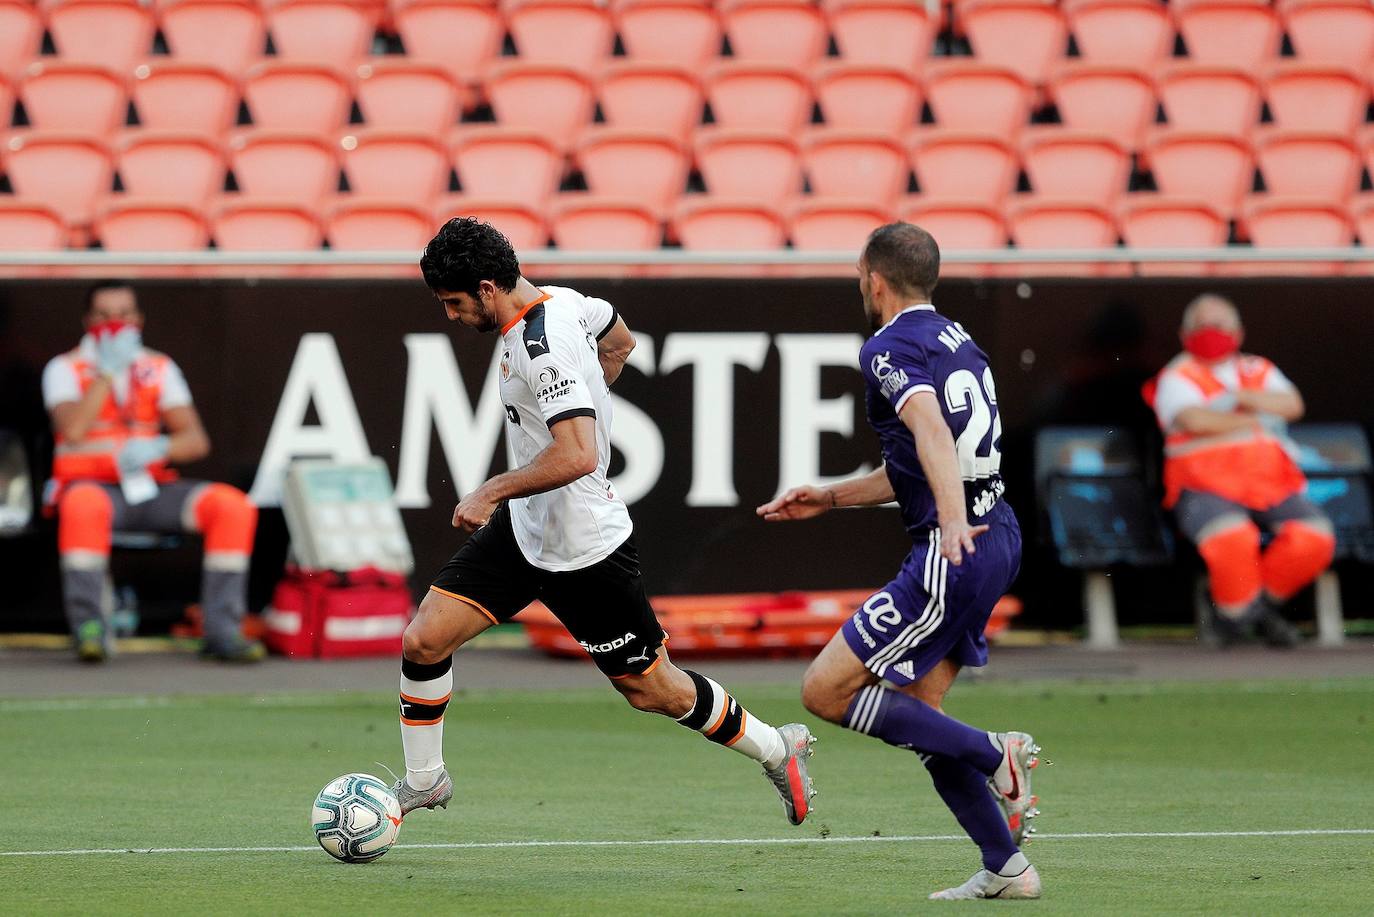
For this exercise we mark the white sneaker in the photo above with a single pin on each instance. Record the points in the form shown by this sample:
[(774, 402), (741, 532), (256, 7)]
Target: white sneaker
[(986, 884), (411, 799)]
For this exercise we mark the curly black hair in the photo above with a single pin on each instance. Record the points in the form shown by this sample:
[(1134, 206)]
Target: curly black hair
[(465, 252)]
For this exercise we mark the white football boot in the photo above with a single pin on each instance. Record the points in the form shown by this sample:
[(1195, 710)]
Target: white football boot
[(987, 884), (790, 778), (437, 795), (1011, 783)]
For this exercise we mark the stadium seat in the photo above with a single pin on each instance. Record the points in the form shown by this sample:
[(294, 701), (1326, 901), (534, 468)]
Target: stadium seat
[(1207, 97), (110, 33), (290, 165), (1161, 221), (883, 33), (835, 224), (1117, 101), (1121, 33), (1319, 97), (586, 222), (869, 97), (977, 96), (958, 226), (1334, 32), (506, 163), (787, 32), (255, 224), (1217, 168), (21, 35), (135, 224), (1322, 164), (868, 166), (1026, 36), (370, 224), (709, 223), (647, 166), (664, 97), (6, 103), (462, 36), (1362, 217), (407, 166), (73, 97), (557, 101), (229, 34), (759, 96), (68, 172), (681, 32), (964, 165), (338, 31), (570, 33), (753, 165), (1063, 162), (30, 226), (1278, 221), (1037, 223), (522, 224), (414, 95), (171, 165), (297, 96), (1229, 33), (170, 95)]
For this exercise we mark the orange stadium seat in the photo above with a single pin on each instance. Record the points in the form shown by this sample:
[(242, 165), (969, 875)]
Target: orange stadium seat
[(522, 224), (1320, 97), (1063, 162), (964, 165), (1361, 212), (1162, 221), (297, 96), (1321, 164), (760, 96), (665, 97), (788, 32), (753, 165), (229, 34), (869, 97), (6, 103), (171, 165), (573, 33), (111, 33), (134, 224), (1039, 223), (254, 224), (1336, 32), (555, 100), (834, 224), (586, 222), (29, 226), (868, 166), (73, 97), (401, 93), (1216, 168), (708, 223), (506, 163), (1118, 101), (1278, 221), (372, 224), (170, 95), (290, 165), (971, 95), (68, 172), (402, 165), (1121, 33), (648, 166), (1229, 33), (338, 31), (21, 34), (885, 33), (958, 226), (682, 32), (462, 36), (1026, 36), (1208, 97)]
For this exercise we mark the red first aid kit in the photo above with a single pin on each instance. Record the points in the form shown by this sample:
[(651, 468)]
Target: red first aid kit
[(329, 614)]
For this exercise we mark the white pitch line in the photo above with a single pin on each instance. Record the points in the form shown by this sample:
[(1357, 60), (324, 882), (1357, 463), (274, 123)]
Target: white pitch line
[(712, 842)]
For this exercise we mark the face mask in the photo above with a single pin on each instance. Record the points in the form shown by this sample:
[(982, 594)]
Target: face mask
[(1211, 343), (107, 329)]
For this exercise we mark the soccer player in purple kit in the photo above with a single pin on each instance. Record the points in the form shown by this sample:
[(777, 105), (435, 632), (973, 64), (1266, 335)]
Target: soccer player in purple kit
[(932, 402)]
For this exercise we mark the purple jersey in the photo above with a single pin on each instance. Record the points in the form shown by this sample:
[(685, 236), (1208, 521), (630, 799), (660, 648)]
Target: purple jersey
[(922, 351)]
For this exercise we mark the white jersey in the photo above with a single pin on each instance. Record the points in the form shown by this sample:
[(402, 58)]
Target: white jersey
[(549, 373)]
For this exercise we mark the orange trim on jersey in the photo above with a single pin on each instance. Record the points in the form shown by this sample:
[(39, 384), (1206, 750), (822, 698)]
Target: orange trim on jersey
[(743, 721), (433, 722), (523, 309), (653, 665), (724, 709), (463, 598), (426, 702)]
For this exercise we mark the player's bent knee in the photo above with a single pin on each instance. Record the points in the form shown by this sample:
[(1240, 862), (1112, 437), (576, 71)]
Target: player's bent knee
[(419, 645), (822, 700)]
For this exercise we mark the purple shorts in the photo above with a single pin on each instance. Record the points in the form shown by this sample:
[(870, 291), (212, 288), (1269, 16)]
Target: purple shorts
[(932, 610)]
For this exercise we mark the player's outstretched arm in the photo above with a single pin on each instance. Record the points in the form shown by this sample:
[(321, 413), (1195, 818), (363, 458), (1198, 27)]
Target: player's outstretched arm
[(614, 349), (871, 489), (571, 455), (935, 449)]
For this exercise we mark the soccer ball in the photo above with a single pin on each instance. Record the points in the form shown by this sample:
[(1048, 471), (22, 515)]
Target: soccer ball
[(356, 818)]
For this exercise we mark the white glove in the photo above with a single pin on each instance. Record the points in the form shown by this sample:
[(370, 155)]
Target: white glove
[(138, 454), (116, 352)]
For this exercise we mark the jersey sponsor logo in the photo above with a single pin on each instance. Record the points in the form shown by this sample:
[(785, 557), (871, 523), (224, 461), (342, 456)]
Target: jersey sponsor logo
[(512, 414), (645, 656), (615, 644), (554, 391), (954, 336), (863, 631), (890, 379), (881, 611), (906, 669), (548, 375)]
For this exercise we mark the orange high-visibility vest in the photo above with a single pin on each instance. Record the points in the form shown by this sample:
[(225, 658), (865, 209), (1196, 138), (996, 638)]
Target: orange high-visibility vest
[(93, 458), (1249, 467)]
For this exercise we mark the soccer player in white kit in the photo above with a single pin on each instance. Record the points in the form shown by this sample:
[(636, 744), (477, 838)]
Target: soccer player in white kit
[(553, 529)]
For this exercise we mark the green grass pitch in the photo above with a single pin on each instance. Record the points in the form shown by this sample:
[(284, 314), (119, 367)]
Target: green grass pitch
[(241, 771)]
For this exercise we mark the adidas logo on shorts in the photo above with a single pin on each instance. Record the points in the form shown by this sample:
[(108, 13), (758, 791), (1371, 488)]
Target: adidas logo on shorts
[(905, 669)]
